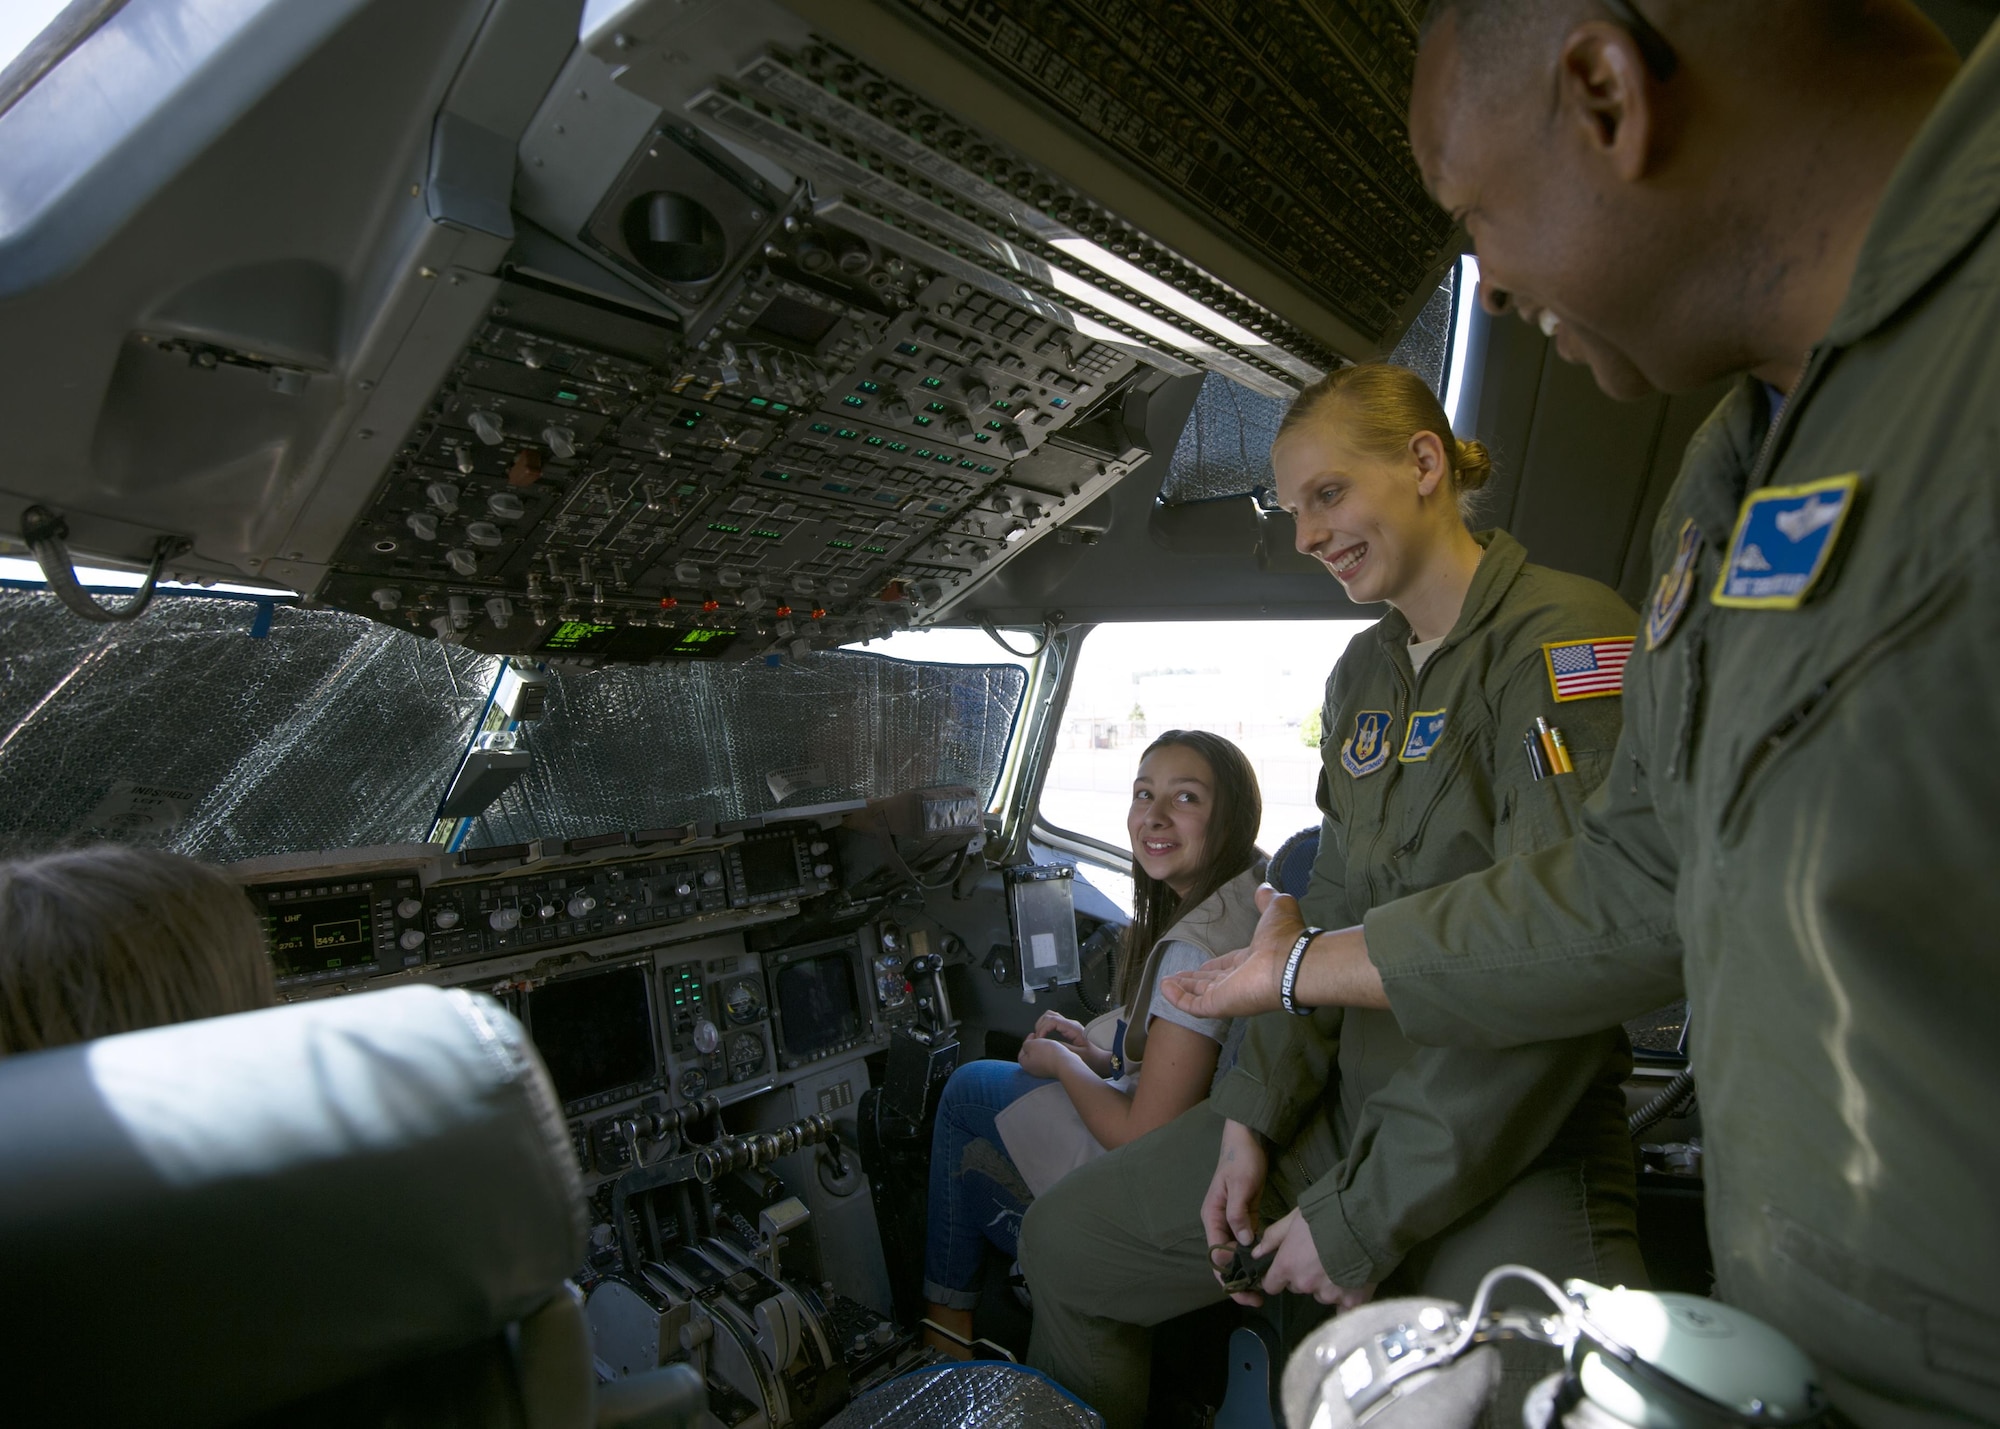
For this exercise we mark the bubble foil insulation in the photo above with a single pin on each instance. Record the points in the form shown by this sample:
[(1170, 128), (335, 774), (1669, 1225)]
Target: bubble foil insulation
[(644, 747), (1224, 450), (181, 730), (968, 1396)]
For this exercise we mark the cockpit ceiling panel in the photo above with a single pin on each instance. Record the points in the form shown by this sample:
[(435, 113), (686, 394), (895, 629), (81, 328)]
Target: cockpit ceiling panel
[(1280, 121)]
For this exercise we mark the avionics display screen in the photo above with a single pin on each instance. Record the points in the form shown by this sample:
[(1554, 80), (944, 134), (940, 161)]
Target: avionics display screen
[(319, 935), (769, 866), (595, 1033), (816, 1003)]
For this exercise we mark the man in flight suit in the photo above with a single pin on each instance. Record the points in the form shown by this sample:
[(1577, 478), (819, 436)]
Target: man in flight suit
[(1801, 823)]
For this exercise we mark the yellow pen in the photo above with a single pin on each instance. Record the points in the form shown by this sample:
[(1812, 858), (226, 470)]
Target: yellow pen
[(1548, 745)]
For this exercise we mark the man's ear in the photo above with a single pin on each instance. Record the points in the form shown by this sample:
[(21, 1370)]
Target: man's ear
[(1602, 88), (1433, 468)]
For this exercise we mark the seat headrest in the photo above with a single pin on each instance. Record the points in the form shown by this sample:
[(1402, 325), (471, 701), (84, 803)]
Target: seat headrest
[(208, 1219)]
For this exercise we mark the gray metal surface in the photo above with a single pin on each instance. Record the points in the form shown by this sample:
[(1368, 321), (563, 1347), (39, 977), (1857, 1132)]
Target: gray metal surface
[(658, 746), (1426, 347), (182, 730), (967, 1396)]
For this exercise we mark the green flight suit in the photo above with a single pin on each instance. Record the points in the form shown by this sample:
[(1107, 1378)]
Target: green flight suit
[(1416, 1168), (1802, 823)]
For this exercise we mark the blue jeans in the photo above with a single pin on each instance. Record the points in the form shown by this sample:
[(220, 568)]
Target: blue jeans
[(977, 1197)]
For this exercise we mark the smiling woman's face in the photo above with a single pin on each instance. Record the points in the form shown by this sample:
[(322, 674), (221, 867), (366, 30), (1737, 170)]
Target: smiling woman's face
[(1364, 518), (1173, 796)]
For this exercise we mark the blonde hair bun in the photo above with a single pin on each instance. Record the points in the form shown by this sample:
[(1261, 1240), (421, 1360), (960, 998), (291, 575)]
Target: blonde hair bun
[(1472, 464)]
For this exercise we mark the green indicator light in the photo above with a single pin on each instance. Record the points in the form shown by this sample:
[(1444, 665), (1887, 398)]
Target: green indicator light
[(725, 528), (780, 407), (876, 550), (769, 535), (969, 465), (923, 451), (854, 401), (841, 545), (933, 382), (873, 441), (866, 386), (942, 456), (687, 489), (981, 437), (565, 395), (759, 402), (701, 637), (986, 471), (933, 406), (771, 476), (921, 421), (1003, 406), (908, 349), (848, 432), (899, 446), (994, 427), (821, 427)]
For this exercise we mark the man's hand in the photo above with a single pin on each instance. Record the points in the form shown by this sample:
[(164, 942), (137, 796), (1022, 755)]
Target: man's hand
[(1335, 971), (1044, 1056), (1229, 1211), (1245, 982), (1295, 1265)]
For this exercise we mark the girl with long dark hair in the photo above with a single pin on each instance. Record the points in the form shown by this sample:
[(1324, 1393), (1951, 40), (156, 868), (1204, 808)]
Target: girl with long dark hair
[(1005, 1131)]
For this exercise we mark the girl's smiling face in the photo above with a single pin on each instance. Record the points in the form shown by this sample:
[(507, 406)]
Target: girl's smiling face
[(1173, 795)]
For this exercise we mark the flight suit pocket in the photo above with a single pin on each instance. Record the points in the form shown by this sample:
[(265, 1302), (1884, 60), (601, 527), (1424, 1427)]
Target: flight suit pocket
[(1533, 816)]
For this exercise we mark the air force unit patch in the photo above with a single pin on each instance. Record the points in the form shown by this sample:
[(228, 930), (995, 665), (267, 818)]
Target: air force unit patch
[(1785, 535), (1367, 749), (1426, 729), (1670, 597)]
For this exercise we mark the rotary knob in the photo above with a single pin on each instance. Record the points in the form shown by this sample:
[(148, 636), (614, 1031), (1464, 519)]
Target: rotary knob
[(409, 908), (580, 905), (412, 939), (683, 888), (710, 878), (706, 1037), (445, 918), (504, 920)]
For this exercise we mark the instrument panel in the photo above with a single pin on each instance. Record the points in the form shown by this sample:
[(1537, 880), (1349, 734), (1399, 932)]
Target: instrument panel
[(624, 956)]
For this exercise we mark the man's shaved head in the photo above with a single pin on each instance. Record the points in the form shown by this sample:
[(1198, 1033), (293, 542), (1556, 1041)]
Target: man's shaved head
[(1648, 180)]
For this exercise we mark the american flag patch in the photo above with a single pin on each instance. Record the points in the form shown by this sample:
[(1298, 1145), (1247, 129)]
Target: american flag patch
[(1582, 669)]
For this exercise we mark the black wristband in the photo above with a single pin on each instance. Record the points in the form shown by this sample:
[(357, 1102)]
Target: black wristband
[(1288, 983)]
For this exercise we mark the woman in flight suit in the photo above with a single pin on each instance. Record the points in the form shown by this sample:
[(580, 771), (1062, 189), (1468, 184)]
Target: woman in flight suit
[(1350, 1158)]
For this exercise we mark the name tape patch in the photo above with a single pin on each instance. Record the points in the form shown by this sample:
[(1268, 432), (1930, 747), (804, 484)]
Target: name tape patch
[(1367, 749), (1426, 729), (1587, 669), (1784, 537)]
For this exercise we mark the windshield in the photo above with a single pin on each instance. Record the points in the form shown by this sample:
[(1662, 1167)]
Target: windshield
[(231, 728)]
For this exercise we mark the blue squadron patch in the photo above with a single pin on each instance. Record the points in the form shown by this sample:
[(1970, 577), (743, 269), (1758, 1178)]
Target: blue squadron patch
[(1784, 537), (1367, 749), (1426, 729), (1670, 597)]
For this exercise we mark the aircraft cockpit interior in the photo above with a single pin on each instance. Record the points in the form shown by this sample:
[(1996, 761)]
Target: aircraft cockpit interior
[(651, 541)]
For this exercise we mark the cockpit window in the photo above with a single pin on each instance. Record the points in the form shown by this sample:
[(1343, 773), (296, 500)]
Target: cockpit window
[(226, 728), (36, 34), (1225, 449), (644, 747)]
